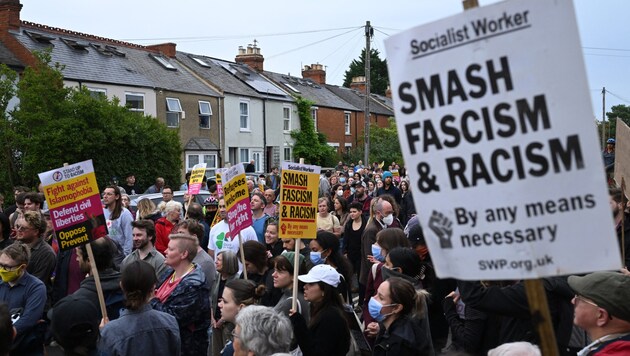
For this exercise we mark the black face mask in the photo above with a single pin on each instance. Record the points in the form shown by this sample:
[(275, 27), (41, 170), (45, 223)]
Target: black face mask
[(387, 273)]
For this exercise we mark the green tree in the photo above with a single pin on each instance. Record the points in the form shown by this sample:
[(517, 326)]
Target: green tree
[(379, 78), (310, 145), (617, 111), (54, 125), (384, 144)]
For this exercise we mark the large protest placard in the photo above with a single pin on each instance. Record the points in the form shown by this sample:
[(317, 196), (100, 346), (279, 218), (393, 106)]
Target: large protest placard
[(495, 123), (236, 196), (196, 178), (75, 204), (298, 201)]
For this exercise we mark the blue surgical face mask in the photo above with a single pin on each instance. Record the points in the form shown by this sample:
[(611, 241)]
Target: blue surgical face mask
[(316, 258), (342, 180), (375, 307), (376, 252), (352, 190)]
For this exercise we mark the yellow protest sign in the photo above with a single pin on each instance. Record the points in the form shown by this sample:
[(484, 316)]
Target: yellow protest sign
[(298, 201)]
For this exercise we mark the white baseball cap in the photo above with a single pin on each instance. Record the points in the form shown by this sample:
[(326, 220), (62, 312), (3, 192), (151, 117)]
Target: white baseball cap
[(322, 273)]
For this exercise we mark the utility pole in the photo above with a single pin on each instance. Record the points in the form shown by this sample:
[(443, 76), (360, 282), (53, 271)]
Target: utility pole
[(604, 117), (369, 32)]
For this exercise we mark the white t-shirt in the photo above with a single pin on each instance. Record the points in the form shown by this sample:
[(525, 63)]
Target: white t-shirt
[(221, 239)]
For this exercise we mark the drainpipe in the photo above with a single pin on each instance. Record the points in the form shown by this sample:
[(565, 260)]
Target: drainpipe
[(221, 148), (264, 135)]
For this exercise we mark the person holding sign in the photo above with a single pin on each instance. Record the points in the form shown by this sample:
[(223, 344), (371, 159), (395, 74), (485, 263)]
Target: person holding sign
[(221, 238), (327, 333), (183, 293)]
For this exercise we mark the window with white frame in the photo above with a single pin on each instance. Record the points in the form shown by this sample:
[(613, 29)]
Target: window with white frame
[(286, 116), (134, 101), (314, 116), (346, 118), (287, 154), (205, 112), (335, 145), (207, 157), (173, 110), (244, 155), (97, 93), (348, 148), (258, 160), (244, 109)]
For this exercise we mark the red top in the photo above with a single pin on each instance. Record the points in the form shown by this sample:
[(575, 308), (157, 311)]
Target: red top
[(163, 228)]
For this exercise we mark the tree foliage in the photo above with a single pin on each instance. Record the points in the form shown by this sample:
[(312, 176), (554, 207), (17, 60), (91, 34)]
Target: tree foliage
[(617, 111), (384, 145), (310, 145), (54, 124), (379, 78)]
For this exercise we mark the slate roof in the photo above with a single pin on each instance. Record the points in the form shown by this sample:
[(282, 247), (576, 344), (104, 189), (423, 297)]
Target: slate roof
[(200, 144), (94, 59), (7, 57), (233, 78), (357, 99), (312, 91), (383, 100)]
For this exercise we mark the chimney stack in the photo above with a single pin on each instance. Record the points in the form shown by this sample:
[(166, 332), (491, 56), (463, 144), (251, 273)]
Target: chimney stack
[(358, 83), (314, 72), (10, 14), (388, 92), (168, 49), (250, 56)]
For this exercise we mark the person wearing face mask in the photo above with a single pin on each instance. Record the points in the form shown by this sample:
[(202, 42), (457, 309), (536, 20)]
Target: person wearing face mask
[(397, 307), (325, 220), (382, 213), (25, 296), (386, 240), (325, 250)]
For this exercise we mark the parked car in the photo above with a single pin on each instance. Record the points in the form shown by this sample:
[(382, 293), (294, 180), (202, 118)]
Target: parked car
[(157, 198)]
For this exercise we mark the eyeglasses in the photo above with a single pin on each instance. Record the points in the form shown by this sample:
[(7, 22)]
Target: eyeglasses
[(579, 297), (22, 227), (9, 268)]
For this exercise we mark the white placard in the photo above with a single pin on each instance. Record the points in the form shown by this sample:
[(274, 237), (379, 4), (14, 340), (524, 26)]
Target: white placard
[(494, 119)]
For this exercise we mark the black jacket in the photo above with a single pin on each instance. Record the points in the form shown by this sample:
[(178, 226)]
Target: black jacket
[(511, 303), (404, 337), (327, 337)]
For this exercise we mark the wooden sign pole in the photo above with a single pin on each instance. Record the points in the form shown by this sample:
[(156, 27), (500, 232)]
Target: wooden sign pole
[(240, 244), (296, 264)]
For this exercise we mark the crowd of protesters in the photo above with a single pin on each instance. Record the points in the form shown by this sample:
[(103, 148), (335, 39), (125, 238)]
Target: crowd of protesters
[(174, 282)]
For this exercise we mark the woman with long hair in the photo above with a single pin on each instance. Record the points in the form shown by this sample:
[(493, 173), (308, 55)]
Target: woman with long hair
[(327, 332), (283, 280), (157, 330), (325, 250), (238, 294), (340, 205), (386, 240), (272, 241), (259, 270), (227, 270), (398, 308), (147, 210), (407, 206)]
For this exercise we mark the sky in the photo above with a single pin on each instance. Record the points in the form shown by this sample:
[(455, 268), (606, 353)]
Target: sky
[(293, 33)]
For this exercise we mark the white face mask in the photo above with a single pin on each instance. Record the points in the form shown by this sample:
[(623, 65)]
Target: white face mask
[(388, 220), (340, 193), (262, 182)]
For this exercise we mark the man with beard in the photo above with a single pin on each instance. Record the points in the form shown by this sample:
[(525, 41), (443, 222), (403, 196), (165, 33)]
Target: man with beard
[(221, 238), (143, 240), (622, 222), (361, 197), (389, 188)]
